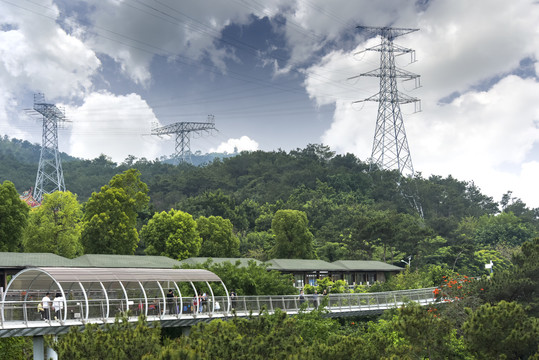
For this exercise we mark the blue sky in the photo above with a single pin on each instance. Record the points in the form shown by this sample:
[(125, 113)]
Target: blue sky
[(275, 76)]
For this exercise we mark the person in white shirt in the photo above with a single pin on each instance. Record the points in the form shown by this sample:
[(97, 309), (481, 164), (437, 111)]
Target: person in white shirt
[(46, 303), (58, 304)]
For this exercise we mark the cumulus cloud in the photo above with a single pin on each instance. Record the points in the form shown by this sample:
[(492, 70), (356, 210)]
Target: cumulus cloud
[(36, 53), (114, 125), (487, 128), (479, 119), (244, 143), (133, 33), (314, 24), (478, 137)]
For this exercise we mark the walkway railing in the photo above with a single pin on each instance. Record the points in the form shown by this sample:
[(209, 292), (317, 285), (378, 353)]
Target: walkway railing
[(22, 318)]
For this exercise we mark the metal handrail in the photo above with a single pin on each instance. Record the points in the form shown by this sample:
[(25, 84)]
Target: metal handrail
[(24, 313)]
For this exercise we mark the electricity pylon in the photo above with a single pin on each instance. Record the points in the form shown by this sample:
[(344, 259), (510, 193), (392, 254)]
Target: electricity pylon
[(390, 146), (50, 176), (183, 131)]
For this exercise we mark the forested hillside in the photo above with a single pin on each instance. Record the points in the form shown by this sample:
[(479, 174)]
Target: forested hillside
[(350, 212), (306, 203)]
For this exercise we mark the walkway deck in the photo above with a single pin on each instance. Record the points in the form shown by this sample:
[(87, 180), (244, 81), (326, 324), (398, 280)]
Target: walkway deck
[(21, 318)]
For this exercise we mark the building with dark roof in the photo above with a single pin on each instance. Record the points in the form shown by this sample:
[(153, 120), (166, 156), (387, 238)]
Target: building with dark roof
[(193, 261), (126, 261), (360, 272), (11, 263), (355, 272)]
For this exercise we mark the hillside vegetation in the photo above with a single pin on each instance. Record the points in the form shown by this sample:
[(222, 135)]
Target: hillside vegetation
[(307, 203), (351, 213)]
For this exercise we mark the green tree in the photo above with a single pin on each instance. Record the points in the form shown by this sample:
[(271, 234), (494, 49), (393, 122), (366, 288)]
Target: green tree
[(404, 280), (430, 336), (256, 245), (134, 188), (265, 337), (446, 198), (212, 204), (432, 251), (55, 226), (218, 238), (333, 251), (120, 340), (387, 232), (13, 217), (504, 228), (463, 245), (253, 279), (518, 208), (293, 240), (501, 330), (16, 348), (485, 256), (173, 234), (110, 215), (109, 223), (518, 283)]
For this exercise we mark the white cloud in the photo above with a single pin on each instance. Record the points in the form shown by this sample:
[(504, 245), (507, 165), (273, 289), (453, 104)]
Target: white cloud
[(479, 137), (482, 135), (468, 49), (313, 24), (244, 143), (132, 34), (114, 125), (461, 44), (37, 55)]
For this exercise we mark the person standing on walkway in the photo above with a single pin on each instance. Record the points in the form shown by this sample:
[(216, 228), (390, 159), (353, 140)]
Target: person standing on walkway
[(46, 303), (233, 300), (58, 304), (205, 302), (171, 302), (315, 299)]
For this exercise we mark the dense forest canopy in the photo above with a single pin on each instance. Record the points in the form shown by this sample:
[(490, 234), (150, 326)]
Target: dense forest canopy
[(309, 203), (349, 212)]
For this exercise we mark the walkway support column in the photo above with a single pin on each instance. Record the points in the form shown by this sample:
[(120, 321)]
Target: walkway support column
[(39, 350)]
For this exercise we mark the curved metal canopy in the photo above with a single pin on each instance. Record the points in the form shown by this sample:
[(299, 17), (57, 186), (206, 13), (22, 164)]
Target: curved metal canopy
[(105, 292), (85, 275)]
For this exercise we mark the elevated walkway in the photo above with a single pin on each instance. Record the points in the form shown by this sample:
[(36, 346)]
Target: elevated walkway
[(75, 297)]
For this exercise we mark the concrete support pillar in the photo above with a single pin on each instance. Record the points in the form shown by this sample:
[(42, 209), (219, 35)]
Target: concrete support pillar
[(39, 352)]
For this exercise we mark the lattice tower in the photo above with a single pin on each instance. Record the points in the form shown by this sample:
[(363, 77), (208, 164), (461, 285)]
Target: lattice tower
[(390, 146), (50, 176), (183, 130)]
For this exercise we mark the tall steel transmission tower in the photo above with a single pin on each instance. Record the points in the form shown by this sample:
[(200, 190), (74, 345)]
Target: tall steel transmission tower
[(183, 131), (50, 176), (390, 146)]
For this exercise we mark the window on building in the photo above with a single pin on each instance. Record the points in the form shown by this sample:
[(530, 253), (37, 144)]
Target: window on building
[(311, 279), (298, 280)]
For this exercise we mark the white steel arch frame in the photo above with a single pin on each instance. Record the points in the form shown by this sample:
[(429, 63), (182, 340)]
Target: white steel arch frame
[(101, 292)]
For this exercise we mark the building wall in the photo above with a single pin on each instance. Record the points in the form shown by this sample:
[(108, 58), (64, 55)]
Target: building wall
[(302, 278)]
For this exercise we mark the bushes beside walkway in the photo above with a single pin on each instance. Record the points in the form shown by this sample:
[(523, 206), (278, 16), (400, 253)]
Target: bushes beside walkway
[(410, 332)]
